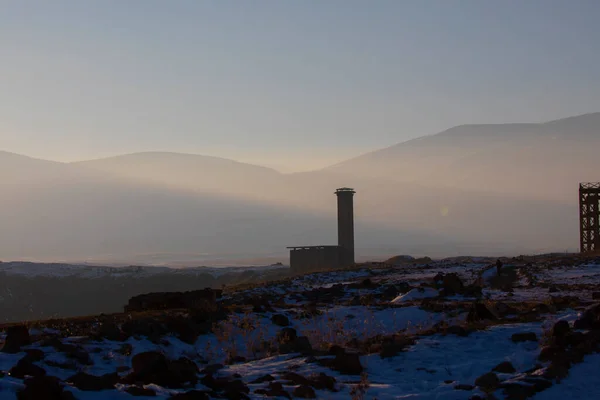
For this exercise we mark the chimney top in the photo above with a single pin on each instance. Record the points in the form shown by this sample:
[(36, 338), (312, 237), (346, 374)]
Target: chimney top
[(345, 190)]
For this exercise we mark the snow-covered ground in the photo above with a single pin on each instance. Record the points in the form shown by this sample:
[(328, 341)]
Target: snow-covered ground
[(359, 311)]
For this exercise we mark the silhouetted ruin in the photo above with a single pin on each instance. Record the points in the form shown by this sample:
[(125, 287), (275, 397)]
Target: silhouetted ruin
[(311, 258), (589, 214)]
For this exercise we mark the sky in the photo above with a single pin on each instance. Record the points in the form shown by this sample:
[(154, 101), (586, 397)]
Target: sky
[(290, 84)]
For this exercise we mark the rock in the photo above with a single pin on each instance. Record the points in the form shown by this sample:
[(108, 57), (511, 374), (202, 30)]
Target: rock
[(553, 289), (488, 381), (212, 369), (590, 318), (295, 378), (504, 309), (518, 390), (548, 353), (263, 379), (305, 392), (596, 296), (191, 395), (479, 312), (41, 387), (461, 386), (302, 345), (26, 368), (275, 389), (16, 337), (457, 330), (287, 335), (452, 284), (34, 355), (153, 367), (473, 291), (505, 368), (524, 337), (323, 382), (561, 329), (392, 347), (92, 383), (280, 320), (140, 391), (347, 364), (335, 350)]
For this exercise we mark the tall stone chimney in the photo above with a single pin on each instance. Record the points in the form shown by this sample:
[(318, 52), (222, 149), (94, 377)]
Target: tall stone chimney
[(345, 203)]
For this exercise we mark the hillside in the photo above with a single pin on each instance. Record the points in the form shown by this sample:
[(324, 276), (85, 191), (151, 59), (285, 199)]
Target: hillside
[(543, 161), (456, 329), (190, 172)]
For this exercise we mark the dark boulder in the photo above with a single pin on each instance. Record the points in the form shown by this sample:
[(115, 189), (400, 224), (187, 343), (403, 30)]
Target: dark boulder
[(191, 395), (347, 364), (287, 335), (16, 337), (590, 318), (92, 383), (452, 284), (26, 368), (505, 368), (480, 312), (140, 391), (524, 337), (304, 392), (41, 387), (280, 320), (488, 381)]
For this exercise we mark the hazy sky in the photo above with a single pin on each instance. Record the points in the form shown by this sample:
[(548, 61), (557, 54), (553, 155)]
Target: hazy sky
[(293, 83)]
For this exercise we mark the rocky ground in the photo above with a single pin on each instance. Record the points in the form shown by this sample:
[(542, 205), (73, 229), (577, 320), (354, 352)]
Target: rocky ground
[(460, 328)]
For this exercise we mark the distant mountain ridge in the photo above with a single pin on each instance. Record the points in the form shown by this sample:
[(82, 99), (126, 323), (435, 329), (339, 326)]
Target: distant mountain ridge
[(481, 189), (536, 160)]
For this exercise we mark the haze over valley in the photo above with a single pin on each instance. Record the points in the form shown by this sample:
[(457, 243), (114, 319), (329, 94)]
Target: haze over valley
[(472, 189)]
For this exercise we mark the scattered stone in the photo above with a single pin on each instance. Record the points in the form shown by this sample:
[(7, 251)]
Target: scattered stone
[(287, 335), (479, 312), (452, 284), (34, 355), (16, 337), (92, 383), (590, 318), (323, 382), (26, 368), (524, 337), (140, 391), (212, 369), (561, 329), (275, 389), (461, 386), (505, 368), (305, 392), (263, 379), (280, 320), (41, 387), (488, 381), (191, 395)]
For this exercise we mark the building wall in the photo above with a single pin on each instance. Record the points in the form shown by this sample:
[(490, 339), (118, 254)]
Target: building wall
[(315, 258)]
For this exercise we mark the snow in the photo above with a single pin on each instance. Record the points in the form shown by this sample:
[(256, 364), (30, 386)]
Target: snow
[(416, 294), (580, 384), (429, 369)]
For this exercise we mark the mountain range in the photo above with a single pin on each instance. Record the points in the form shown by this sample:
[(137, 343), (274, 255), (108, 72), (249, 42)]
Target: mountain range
[(478, 189)]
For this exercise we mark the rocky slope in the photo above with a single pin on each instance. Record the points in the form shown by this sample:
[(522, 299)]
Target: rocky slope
[(462, 328)]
